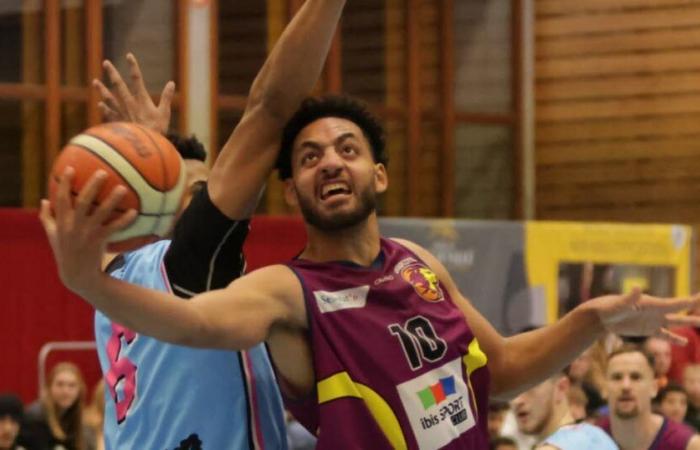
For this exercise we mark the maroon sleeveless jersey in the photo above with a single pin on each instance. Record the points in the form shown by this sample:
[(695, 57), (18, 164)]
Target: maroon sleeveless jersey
[(396, 363), (671, 436)]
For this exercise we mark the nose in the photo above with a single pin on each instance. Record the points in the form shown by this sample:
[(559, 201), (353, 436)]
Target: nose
[(331, 163)]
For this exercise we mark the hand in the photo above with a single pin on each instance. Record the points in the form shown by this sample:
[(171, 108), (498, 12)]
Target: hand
[(77, 235), (134, 104), (635, 314)]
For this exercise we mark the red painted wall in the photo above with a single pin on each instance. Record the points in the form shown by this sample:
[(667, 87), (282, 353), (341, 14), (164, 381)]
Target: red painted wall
[(35, 308)]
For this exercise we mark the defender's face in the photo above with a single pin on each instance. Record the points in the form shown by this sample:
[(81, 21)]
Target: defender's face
[(630, 385), (534, 407), (9, 429), (335, 179)]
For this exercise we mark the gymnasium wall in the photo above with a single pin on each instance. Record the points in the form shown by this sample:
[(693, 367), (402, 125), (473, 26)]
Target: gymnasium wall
[(617, 110)]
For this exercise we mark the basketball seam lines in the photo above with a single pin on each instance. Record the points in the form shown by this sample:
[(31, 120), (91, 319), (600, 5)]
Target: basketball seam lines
[(164, 171), (157, 189), (215, 255), (57, 179)]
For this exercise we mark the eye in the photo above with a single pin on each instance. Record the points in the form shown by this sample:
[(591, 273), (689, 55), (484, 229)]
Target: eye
[(348, 149), (308, 158)]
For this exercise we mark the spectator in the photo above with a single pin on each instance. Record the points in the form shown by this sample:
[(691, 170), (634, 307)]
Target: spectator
[(661, 350), (673, 402), (11, 416), (630, 387), (691, 384), (497, 415), (94, 417), (682, 355), (586, 371), (59, 410)]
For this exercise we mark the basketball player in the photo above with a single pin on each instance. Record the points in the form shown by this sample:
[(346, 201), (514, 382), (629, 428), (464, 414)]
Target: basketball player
[(373, 343), (630, 387), (543, 411), (164, 396)]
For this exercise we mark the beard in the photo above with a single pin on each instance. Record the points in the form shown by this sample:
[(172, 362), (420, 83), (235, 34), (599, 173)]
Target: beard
[(336, 221), (626, 414)]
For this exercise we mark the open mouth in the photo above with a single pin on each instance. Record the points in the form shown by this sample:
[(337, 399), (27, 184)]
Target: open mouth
[(334, 189)]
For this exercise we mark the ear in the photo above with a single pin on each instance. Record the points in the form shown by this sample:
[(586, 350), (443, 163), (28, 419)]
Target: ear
[(381, 178), (562, 386), (290, 193)]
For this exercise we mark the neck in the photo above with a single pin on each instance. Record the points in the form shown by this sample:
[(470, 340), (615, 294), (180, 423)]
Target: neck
[(637, 433), (561, 416), (358, 244)]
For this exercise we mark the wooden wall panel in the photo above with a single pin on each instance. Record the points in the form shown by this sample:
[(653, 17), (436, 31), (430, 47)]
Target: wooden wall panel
[(617, 118), (617, 94)]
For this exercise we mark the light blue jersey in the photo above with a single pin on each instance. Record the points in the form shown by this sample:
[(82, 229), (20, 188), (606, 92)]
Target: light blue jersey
[(582, 436), (167, 397)]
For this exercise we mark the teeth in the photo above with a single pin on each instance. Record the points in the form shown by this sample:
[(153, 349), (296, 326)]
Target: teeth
[(331, 187)]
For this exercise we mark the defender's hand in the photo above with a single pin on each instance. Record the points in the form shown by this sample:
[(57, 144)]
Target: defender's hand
[(133, 103)]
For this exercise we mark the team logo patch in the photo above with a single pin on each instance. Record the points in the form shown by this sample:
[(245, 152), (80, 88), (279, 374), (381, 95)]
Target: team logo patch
[(423, 280), (328, 301), (437, 393)]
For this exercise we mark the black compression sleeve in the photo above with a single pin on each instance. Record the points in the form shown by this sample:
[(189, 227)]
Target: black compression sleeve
[(206, 250)]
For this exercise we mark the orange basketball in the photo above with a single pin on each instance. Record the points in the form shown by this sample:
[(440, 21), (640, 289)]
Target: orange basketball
[(141, 160)]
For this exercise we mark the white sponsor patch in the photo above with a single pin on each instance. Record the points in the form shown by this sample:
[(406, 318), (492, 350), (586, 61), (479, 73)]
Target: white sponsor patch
[(437, 405), (345, 299)]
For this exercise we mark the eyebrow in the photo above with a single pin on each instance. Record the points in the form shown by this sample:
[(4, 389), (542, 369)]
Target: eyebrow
[(336, 141)]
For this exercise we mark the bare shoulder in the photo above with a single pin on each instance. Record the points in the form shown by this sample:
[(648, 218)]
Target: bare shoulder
[(694, 443), (426, 256)]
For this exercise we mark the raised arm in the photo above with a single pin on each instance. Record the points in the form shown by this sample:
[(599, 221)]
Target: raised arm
[(535, 355), (288, 75)]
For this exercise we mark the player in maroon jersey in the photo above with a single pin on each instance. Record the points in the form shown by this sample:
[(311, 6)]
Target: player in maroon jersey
[(373, 331), (631, 386)]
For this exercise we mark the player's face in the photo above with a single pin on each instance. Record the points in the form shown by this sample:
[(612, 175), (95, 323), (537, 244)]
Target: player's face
[(630, 385), (64, 389), (674, 406), (9, 428), (335, 179), (197, 174), (533, 408), (661, 350)]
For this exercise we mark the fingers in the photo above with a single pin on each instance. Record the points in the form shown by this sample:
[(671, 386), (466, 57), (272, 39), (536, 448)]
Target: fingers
[(46, 218), (103, 212), (120, 88), (137, 85), (680, 320), (166, 100), (107, 98), (88, 194), (121, 222), (674, 338), (669, 305), (109, 114), (63, 206)]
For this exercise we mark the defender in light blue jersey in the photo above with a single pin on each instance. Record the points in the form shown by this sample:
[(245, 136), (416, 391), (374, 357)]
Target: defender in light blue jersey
[(175, 397), (162, 396)]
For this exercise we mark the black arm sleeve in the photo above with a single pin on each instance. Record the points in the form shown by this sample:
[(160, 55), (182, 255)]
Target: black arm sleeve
[(206, 250)]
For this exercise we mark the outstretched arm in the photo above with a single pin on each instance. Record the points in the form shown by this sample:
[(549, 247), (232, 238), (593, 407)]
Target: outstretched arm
[(288, 75), (237, 317), (537, 354)]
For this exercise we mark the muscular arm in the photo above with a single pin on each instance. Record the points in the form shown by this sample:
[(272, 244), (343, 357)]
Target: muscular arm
[(533, 356), (237, 317), (288, 75)]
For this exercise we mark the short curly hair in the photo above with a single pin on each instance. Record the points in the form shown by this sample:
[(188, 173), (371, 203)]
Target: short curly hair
[(188, 147), (314, 108)]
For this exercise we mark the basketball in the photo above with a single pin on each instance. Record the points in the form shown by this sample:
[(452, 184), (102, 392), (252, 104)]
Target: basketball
[(141, 160)]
